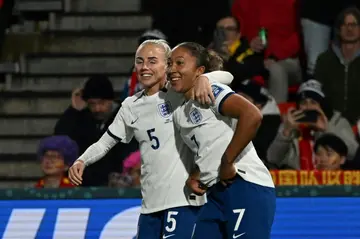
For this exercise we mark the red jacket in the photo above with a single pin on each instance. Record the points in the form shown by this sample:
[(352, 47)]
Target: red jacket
[(279, 17)]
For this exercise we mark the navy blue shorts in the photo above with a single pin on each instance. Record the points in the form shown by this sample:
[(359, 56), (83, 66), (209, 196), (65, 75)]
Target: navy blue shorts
[(174, 223), (240, 210)]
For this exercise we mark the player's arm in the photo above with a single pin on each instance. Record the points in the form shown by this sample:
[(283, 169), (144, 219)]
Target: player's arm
[(117, 132), (248, 120), (202, 89), (222, 77)]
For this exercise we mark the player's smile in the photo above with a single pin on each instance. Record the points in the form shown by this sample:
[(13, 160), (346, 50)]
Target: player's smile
[(146, 75), (175, 77)]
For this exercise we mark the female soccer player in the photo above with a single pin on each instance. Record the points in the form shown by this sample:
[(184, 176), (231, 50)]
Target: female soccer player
[(168, 210), (241, 194)]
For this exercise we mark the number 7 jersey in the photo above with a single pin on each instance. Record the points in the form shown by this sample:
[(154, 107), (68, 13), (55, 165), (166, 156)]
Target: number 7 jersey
[(166, 160), (208, 133)]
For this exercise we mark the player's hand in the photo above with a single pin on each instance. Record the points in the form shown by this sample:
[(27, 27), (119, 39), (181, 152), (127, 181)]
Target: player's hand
[(227, 172), (196, 186), (203, 91), (76, 99), (76, 172)]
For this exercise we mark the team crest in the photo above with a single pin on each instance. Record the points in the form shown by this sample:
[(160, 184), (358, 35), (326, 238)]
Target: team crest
[(216, 90), (165, 109), (195, 116)]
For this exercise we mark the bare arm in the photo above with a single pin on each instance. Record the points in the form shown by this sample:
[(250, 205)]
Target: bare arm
[(249, 119)]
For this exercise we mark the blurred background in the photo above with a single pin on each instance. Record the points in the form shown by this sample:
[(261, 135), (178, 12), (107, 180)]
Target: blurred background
[(66, 66)]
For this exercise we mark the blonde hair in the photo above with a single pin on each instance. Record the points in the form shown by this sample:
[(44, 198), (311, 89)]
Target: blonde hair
[(159, 42)]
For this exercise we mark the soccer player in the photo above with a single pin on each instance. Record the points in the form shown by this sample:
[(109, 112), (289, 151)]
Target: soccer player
[(168, 207), (241, 194)]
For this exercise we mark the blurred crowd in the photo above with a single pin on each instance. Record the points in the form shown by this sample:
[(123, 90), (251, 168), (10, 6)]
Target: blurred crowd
[(298, 61)]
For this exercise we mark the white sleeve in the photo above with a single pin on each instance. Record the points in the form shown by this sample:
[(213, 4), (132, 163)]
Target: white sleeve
[(222, 77), (98, 150), (119, 128), (221, 93)]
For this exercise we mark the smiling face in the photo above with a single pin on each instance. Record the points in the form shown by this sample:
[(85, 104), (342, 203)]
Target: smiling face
[(150, 65), (183, 70)]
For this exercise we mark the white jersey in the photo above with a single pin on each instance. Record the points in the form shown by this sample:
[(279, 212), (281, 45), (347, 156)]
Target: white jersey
[(166, 160), (208, 134)]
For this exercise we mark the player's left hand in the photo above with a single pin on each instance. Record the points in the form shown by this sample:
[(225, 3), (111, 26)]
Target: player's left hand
[(195, 186), (227, 172), (203, 91)]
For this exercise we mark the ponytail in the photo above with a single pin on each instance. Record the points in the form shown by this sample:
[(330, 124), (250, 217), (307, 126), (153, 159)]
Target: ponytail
[(215, 62)]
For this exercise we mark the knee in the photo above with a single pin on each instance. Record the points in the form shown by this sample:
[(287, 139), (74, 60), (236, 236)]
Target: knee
[(277, 72)]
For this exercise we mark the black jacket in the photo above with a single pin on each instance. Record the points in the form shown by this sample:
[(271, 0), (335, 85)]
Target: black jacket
[(245, 64), (85, 130)]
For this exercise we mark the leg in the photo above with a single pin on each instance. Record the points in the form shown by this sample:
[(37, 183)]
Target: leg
[(179, 222), (149, 226), (211, 220), (316, 41), (282, 74), (210, 223), (278, 82), (251, 210)]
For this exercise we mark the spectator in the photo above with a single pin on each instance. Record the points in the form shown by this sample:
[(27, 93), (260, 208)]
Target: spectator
[(316, 22), (330, 152), (271, 114), (132, 85), (291, 148), (338, 69), (239, 58), (130, 177), (91, 112), (56, 154), (282, 45)]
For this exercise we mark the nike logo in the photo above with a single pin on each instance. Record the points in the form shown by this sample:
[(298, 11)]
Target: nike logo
[(171, 235), (133, 121), (236, 236)]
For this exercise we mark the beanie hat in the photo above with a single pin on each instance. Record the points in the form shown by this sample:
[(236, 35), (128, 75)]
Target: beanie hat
[(332, 141), (98, 87), (62, 144)]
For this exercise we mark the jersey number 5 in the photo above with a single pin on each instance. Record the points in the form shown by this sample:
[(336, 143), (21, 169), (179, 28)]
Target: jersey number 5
[(155, 140)]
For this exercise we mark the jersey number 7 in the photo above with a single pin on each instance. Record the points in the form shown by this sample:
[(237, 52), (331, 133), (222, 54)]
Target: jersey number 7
[(154, 140)]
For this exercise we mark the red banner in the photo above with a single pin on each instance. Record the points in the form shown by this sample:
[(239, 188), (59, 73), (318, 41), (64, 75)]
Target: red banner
[(310, 178)]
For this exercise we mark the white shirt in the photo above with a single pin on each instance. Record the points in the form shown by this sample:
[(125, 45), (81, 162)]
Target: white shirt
[(208, 133), (166, 160)]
